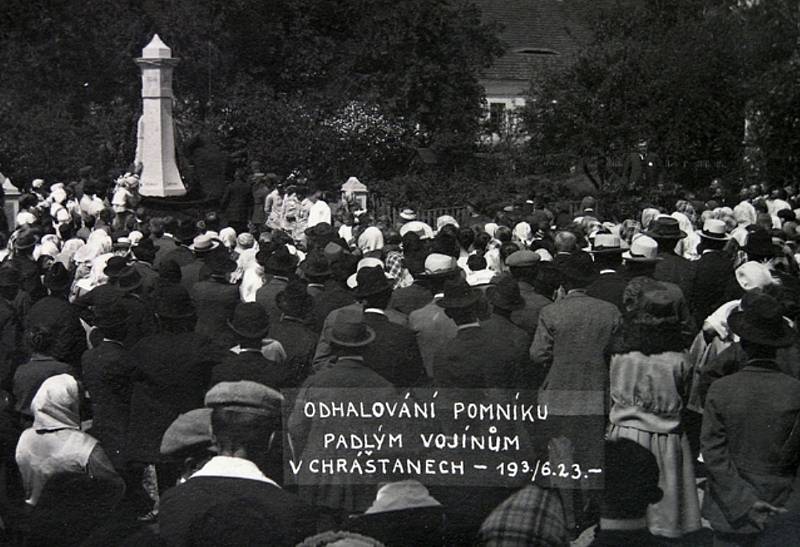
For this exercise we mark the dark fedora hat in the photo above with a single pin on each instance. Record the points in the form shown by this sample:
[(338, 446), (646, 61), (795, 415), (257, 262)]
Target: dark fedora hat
[(349, 330), (25, 239), (322, 229), (174, 302), (761, 322), (578, 266), (110, 313), (185, 232), (57, 278), (114, 266), (145, 250), (759, 244), (129, 279), (665, 227), (606, 244), (281, 261), (505, 295), (250, 320), (371, 280), (315, 266), (294, 300), (458, 294)]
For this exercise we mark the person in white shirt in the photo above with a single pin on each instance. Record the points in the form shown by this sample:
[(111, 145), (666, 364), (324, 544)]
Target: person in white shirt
[(320, 211)]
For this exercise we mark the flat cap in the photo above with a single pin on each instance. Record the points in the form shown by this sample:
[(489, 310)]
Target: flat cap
[(520, 259), (189, 430), (245, 396)]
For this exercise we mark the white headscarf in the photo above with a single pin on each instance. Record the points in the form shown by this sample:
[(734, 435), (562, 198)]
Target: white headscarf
[(370, 240)]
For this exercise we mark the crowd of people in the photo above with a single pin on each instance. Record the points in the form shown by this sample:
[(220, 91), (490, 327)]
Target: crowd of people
[(142, 358)]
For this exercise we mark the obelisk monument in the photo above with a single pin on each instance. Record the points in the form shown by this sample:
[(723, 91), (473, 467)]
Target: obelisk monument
[(156, 138)]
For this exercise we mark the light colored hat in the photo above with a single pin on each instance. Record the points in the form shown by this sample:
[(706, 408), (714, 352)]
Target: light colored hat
[(396, 496), (444, 220), (420, 228), (715, 230), (368, 262), (204, 243), (606, 243), (37, 183), (63, 216), (437, 264), (245, 240), (408, 214), (544, 255), (135, 237), (643, 249), (25, 217), (753, 275)]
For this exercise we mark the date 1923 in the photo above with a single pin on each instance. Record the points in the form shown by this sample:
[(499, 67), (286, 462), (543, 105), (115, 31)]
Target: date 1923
[(545, 469)]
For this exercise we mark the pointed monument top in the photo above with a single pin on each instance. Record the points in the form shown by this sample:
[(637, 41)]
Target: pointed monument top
[(156, 49)]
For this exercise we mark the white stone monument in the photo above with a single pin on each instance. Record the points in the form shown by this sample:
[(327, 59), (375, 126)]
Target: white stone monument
[(156, 136)]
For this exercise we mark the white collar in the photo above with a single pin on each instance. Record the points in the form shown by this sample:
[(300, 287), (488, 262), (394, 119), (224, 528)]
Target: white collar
[(374, 310), (438, 295), (607, 271), (469, 325), (233, 468)]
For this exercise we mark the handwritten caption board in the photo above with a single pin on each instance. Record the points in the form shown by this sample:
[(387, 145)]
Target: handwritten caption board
[(455, 437)]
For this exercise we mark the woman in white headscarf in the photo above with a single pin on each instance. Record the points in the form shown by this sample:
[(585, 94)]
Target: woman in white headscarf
[(686, 247), (55, 444), (523, 234), (370, 240), (228, 238), (648, 216)]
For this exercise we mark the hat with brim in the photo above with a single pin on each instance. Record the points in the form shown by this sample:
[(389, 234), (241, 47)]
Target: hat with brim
[(190, 431), (25, 240), (174, 302), (110, 314), (506, 296), (220, 264), (408, 214), (368, 262), (315, 266), (606, 244), (115, 265), (281, 261), (458, 294), (666, 227), (439, 265), (760, 321), (250, 320), (423, 230), (714, 230), (204, 243), (370, 281), (245, 396), (129, 279), (759, 244), (643, 249), (294, 300), (322, 229), (349, 330)]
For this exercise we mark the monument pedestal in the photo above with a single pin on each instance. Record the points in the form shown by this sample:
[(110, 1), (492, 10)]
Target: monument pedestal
[(156, 140)]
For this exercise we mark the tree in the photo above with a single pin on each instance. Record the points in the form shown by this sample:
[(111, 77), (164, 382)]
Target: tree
[(269, 76)]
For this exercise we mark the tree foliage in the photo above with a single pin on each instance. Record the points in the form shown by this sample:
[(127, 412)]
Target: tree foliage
[(682, 73), (305, 84)]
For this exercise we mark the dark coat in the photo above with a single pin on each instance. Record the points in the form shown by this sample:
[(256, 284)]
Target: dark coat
[(266, 294), (259, 193), (394, 354), (528, 317), (29, 280), (214, 303), (180, 255), (434, 329), (610, 288), (141, 319), (193, 272), (63, 320), (299, 342), (676, 269), (171, 377), (507, 334), (164, 246), (333, 297), (713, 274), (30, 376), (149, 276), (107, 372), (407, 299), (750, 443), (475, 360), (11, 353), (648, 170), (251, 365), (182, 508)]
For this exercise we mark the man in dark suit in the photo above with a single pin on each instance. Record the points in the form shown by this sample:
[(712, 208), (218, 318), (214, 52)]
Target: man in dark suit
[(473, 359), (280, 266), (750, 441), (292, 332), (672, 268), (523, 266), (244, 421), (236, 202), (506, 298), (394, 354), (203, 246), (713, 272), (642, 168), (611, 280), (250, 324)]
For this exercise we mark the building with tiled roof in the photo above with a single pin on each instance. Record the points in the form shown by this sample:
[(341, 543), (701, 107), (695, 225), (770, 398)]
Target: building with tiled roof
[(538, 34)]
